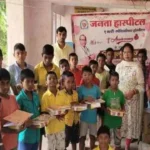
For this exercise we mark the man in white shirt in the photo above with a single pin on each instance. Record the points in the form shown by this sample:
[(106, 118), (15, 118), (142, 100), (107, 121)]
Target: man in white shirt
[(61, 49)]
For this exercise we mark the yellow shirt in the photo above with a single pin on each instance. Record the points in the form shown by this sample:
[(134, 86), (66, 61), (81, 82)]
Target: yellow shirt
[(97, 148), (50, 100), (71, 117), (61, 53), (40, 75), (103, 78)]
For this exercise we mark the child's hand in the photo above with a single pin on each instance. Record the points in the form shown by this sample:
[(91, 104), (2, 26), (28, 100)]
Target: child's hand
[(89, 98), (74, 103), (60, 117), (28, 123)]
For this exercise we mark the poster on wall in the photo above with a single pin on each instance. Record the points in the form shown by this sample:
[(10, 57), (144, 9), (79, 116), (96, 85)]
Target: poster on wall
[(95, 32)]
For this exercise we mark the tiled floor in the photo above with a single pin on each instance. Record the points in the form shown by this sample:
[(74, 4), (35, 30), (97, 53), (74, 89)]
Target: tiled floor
[(134, 146)]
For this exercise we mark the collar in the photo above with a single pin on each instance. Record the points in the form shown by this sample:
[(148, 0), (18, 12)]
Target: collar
[(67, 92), (26, 65), (25, 95), (50, 93), (59, 46), (42, 65)]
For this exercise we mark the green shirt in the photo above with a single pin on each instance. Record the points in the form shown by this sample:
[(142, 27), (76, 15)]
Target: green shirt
[(28, 135), (114, 100)]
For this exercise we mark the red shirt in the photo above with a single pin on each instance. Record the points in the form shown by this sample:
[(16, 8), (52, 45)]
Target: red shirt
[(77, 75), (94, 81)]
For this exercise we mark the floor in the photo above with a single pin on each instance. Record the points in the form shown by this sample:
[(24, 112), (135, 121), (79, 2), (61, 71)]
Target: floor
[(134, 146)]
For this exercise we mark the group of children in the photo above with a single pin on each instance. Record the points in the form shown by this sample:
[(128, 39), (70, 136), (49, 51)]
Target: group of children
[(48, 85)]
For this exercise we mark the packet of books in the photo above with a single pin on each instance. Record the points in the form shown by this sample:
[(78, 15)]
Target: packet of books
[(58, 110), (41, 121), (115, 112), (94, 103), (79, 107)]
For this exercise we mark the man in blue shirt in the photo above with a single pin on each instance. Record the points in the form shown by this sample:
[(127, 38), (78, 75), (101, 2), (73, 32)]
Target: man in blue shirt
[(88, 92), (29, 102)]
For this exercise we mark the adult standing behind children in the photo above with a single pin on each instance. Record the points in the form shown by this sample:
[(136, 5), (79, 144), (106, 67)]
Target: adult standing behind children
[(15, 69), (131, 83), (61, 49)]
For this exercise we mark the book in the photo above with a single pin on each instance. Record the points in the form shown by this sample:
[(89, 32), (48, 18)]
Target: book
[(18, 117), (58, 110), (79, 107), (115, 112), (95, 103)]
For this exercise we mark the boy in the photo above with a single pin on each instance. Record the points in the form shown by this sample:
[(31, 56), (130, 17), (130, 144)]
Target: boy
[(88, 91), (64, 65), (114, 99), (8, 105), (73, 61), (109, 59), (93, 65), (20, 54), (103, 137), (28, 101), (102, 74), (61, 49), (55, 130), (44, 67), (71, 118)]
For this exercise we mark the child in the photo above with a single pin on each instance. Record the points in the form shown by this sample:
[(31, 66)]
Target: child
[(73, 61), (102, 74), (44, 67), (103, 137), (55, 130), (8, 105), (20, 54), (28, 101), (71, 118), (88, 91), (64, 65), (93, 65), (114, 99), (109, 59)]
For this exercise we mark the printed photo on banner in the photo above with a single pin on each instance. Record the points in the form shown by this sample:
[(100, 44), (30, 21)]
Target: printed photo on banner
[(95, 32)]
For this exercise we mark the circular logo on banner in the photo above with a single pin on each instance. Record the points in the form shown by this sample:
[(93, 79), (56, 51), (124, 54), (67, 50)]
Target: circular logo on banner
[(84, 24)]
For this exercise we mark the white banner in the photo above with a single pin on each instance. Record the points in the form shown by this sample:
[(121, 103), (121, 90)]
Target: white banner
[(96, 32)]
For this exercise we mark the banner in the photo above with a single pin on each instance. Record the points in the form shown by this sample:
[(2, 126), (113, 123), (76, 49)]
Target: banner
[(95, 32)]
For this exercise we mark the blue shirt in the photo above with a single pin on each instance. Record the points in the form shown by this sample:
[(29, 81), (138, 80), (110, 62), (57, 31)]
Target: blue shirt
[(30, 136), (15, 72), (89, 115)]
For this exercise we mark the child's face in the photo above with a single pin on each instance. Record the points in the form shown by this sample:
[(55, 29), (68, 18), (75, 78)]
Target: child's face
[(114, 81), (109, 56), (28, 84), (20, 56), (51, 80), (64, 67), (87, 77), (73, 61), (94, 68), (103, 140), (101, 62), (127, 54), (141, 58), (4, 86), (69, 83), (47, 59)]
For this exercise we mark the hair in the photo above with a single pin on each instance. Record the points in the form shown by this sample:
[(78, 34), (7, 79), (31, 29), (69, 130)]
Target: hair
[(61, 29), (51, 73), (128, 45), (67, 74), (4, 74), (109, 50), (93, 62), (73, 55), (86, 69), (19, 46), (26, 73), (82, 35), (1, 54), (143, 51), (103, 130), (114, 74), (48, 50), (101, 55), (62, 61)]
